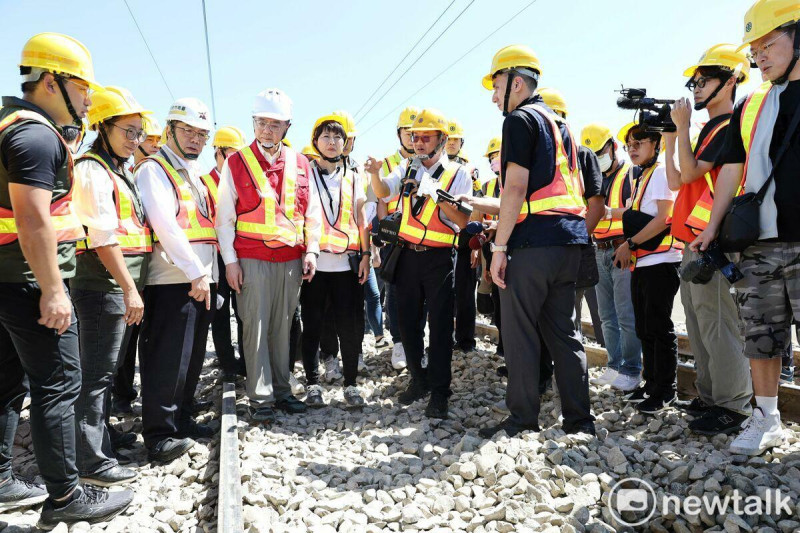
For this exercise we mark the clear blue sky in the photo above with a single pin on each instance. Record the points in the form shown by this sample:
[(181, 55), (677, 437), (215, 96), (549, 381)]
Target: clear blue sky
[(332, 55)]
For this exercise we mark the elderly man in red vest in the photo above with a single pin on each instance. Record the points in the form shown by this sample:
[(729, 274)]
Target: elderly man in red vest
[(269, 228)]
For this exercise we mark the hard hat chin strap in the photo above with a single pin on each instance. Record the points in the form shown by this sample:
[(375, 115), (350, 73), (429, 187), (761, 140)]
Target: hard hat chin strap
[(118, 159), (427, 157), (511, 75), (189, 157), (795, 56), (76, 120), (699, 106)]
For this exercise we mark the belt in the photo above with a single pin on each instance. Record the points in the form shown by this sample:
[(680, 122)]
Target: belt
[(613, 243), (416, 247)]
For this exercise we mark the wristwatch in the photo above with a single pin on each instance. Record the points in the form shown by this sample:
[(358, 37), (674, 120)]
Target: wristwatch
[(315, 254), (631, 245), (498, 247), (366, 253)]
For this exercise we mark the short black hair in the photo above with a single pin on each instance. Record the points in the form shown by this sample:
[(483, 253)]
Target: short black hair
[(530, 82), (639, 134), (28, 87), (332, 126), (723, 74)]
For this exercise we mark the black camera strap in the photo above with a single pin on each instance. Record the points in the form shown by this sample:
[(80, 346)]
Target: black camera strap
[(762, 192), (419, 202)]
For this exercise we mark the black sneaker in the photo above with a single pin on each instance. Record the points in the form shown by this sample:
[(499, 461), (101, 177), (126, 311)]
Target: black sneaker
[(169, 449), (121, 408), (120, 439), (87, 504), (19, 492), (353, 398), (718, 420), (116, 475), (262, 415), (416, 391), (437, 407), (291, 405), (314, 397), (191, 429), (502, 371), (696, 407), (580, 427), (787, 374), (509, 426), (637, 395), (656, 403)]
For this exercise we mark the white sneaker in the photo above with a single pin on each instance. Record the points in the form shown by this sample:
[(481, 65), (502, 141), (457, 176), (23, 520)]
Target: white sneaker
[(424, 362), (501, 407), (297, 387), (361, 364), (398, 356), (759, 435), (332, 370), (608, 376), (626, 383)]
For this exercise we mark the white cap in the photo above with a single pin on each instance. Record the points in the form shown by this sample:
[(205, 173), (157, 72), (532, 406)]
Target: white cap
[(190, 111), (274, 104)]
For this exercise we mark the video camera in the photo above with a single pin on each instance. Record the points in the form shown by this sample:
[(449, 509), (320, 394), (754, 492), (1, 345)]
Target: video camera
[(712, 259), (654, 114)]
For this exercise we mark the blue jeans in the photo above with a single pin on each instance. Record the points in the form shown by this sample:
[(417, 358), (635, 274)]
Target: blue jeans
[(373, 299), (616, 312)]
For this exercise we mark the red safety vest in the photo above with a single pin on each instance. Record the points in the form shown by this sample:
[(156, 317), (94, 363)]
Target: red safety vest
[(609, 228), (668, 242), (275, 221), (341, 234), (133, 236), (197, 227), (428, 228), (65, 222)]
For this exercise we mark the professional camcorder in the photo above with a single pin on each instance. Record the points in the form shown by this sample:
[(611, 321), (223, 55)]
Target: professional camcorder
[(654, 114), (702, 270)]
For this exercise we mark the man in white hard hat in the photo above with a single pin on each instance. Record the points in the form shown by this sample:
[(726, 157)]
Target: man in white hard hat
[(181, 282), (269, 226)]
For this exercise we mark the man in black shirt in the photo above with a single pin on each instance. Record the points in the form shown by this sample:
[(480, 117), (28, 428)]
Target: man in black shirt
[(769, 294)]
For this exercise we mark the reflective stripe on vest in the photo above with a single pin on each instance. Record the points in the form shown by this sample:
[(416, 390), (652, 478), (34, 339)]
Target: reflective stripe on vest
[(698, 219), (427, 229), (492, 187), (274, 221), (342, 234), (668, 242), (132, 235), (65, 222), (612, 227), (563, 196), (197, 227), (211, 185), (389, 164)]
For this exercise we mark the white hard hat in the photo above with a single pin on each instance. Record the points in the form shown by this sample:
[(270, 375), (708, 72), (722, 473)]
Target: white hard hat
[(190, 111), (274, 104)]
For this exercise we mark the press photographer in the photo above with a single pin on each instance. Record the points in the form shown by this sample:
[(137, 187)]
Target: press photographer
[(429, 222)]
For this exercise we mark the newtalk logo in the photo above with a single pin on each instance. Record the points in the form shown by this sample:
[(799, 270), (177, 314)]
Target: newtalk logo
[(633, 502)]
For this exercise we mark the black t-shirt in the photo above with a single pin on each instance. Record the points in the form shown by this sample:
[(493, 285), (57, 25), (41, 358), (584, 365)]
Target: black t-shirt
[(527, 142), (608, 180), (787, 184), (32, 155), (590, 168), (716, 147)]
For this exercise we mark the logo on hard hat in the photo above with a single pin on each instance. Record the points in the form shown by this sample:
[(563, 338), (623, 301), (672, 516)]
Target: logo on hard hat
[(587, 142), (748, 27), (202, 116), (452, 128), (413, 117)]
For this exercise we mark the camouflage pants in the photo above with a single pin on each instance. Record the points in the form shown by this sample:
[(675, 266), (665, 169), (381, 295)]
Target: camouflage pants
[(769, 297)]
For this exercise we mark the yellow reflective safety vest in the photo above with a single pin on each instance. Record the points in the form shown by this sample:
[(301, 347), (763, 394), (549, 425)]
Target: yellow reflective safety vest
[(340, 235), (428, 228), (609, 228)]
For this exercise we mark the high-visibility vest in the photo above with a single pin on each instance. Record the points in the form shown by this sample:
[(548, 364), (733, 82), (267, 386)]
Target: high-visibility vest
[(700, 215), (197, 227), (342, 234), (668, 242), (389, 164), (67, 226), (213, 188), (492, 187), (609, 228), (275, 221), (428, 228), (133, 236), (564, 195)]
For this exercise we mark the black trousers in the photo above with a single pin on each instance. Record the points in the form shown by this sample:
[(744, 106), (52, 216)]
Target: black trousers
[(221, 327), (465, 282), (653, 290), (329, 341), (172, 347), (427, 278), (123, 388), (295, 339), (346, 296), (498, 315), (53, 367)]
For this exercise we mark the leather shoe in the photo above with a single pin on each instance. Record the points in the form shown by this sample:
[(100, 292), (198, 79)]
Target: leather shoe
[(116, 475), (416, 391), (169, 449), (291, 405), (437, 407), (193, 430), (509, 426)]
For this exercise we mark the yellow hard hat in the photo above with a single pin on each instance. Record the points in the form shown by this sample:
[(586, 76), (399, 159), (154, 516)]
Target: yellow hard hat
[(112, 102), (60, 54), (595, 136), (554, 99), (463, 156), (151, 126), (723, 55), (454, 130), (229, 137), (430, 119), (767, 15), (623, 133), (516, 56), (407, 117), (286, 143), (349, 123), (327, 118), (494, 146), (310, 151)]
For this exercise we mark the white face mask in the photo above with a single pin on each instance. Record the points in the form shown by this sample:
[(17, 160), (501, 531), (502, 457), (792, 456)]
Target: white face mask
[(605, 162), (495, 165)]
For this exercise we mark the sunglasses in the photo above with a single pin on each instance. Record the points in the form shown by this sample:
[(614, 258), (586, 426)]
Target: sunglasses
[(423, 138)]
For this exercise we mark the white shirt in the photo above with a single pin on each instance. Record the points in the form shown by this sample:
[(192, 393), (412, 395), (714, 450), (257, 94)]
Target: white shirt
[(226, 212), (658, 189), (174, 258), (93, 200), (329, 200), (462, 183)]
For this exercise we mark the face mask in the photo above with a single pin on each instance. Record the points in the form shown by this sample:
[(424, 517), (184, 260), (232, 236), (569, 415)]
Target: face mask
[(605, 162), (495, 164)]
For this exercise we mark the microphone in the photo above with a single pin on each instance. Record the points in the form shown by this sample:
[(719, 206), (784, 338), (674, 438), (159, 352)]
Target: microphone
[(623, 102), (474, 228), (412, 167), (477, 241)]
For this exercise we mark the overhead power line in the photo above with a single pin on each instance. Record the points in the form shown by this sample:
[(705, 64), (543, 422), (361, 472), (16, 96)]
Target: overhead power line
[(451, 65), (404, 58), (417, 59), (208, 59), (149, 51)]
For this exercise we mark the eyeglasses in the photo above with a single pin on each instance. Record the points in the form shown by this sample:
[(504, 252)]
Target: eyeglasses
[(699, 82), (262, 124), (635, 145), (133, 134), (82, 86), (331, 138), (194, 134), (754, 54), (422, 138)]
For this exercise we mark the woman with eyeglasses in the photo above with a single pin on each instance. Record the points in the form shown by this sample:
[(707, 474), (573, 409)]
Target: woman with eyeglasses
[(111, 268), (654, 256)]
